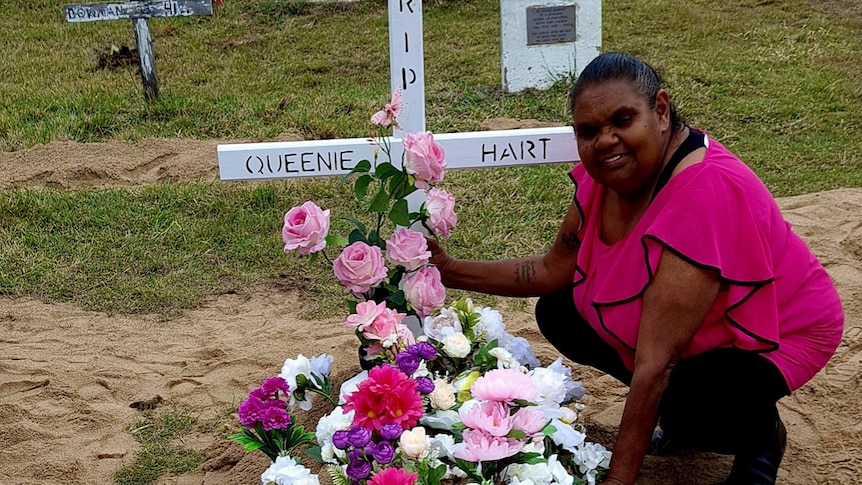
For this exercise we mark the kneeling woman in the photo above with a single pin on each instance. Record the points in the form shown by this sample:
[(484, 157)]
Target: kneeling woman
[(675, 272)]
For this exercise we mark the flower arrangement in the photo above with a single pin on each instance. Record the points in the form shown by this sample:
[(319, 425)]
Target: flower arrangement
[(454, 397)]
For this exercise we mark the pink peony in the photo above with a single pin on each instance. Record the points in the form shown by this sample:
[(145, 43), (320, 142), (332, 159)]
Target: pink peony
[(478, 446), (491, 417), (359, 267), (366, 313), (504, 385), (386, 396), (531, 420), (407, 248), (393, 476), (305, 228), (424, 158), (441, 211), (424, 290)]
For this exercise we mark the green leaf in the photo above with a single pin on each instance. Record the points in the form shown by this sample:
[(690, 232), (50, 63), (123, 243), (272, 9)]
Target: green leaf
[(386, 170), (335, 240), (380, 202), (357, 224), (399, 213), (362, 166), (356, 235), (315, 453), (360, 188)]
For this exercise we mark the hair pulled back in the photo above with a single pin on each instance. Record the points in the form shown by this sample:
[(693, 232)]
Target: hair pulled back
[(616, 66)]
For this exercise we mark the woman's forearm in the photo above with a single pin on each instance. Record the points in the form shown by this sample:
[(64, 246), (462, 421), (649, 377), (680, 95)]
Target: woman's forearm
[(638, 423), (522, 277)]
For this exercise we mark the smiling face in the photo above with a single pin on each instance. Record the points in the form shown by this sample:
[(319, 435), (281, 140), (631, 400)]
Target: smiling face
[(622, 140)]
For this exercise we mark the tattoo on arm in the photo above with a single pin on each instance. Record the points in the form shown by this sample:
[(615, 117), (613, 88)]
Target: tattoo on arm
[(571, 241), (525, 272)]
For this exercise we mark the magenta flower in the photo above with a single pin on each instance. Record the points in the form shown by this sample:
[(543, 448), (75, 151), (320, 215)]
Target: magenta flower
[(479, 446), (275, 417), (305, 228), (505, 385), (251, 411), (273, 384), (386, 396), (393, 476)]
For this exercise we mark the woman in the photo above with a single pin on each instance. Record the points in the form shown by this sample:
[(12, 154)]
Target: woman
[(675, 272)]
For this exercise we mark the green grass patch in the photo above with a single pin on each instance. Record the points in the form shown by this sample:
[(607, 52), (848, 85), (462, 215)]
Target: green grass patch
[(162, 451)]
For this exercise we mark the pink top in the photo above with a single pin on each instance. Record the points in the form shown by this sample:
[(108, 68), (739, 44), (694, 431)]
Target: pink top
[(719, 215)]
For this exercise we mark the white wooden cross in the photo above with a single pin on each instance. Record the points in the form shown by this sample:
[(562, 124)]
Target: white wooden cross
[(482, 149)]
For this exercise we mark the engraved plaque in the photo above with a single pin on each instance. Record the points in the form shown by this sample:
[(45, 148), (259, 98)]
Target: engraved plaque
[(550, 25)]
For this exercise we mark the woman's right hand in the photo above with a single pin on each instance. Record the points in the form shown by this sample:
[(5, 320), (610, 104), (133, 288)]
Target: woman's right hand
[(439, 257)]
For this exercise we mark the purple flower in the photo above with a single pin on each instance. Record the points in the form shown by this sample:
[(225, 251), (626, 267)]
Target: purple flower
[(273, 384), (391, 431), (407, 362), (356, 455), (358, 469), (339, 439), (358, 436), (384, 452), (275, 418), (425, 350), (251, 411), (425, 384)]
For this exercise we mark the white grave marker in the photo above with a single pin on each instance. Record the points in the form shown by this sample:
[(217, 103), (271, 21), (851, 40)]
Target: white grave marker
[(547, 40), (139, 12), (482, 149)]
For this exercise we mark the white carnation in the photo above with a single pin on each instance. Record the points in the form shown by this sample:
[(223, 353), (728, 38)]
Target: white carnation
[(326, 427)]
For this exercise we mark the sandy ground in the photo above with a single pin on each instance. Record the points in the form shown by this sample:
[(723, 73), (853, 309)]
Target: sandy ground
[(68, 376)]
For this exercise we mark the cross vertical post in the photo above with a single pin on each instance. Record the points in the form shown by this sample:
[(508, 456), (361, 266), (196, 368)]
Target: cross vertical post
[(406, 63)]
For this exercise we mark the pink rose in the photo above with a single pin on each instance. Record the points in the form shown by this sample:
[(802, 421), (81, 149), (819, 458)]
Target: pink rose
[(407, 248), (365, 314), (424, 290), (305, 228), (359, 267), (424, 158), (385, 326), (441, 211)]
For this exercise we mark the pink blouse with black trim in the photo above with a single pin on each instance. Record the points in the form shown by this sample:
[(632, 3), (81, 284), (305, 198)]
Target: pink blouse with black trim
[(717, 214)]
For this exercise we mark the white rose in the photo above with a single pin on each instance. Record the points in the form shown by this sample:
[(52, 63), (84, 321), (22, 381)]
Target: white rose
[(443, 396), (285, 471), (414, 442), (549, 385), (457, 345), (505, 360)]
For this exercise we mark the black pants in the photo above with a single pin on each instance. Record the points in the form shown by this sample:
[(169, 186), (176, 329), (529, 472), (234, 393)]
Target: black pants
[(723, 400)]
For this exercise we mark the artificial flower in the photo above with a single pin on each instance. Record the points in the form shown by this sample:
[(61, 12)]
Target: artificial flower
[(424, 290), (414, 442), (504, 385), (286, 471), (407, 248), (441, 212), (359, 267), (386, 396), (305, 228), (424, 158)]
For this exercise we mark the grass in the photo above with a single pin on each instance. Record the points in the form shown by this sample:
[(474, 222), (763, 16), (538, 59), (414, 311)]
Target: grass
[(162, 450), (775, 81)]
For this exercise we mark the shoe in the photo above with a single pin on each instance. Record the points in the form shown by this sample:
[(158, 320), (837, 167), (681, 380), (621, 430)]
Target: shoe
[(760, 467), (662, 444)]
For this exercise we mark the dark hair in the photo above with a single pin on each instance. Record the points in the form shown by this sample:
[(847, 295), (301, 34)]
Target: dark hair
[(615, 66)]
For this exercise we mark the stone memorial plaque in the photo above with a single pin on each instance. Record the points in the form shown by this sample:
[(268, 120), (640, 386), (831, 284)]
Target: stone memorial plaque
[(550, 25)]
